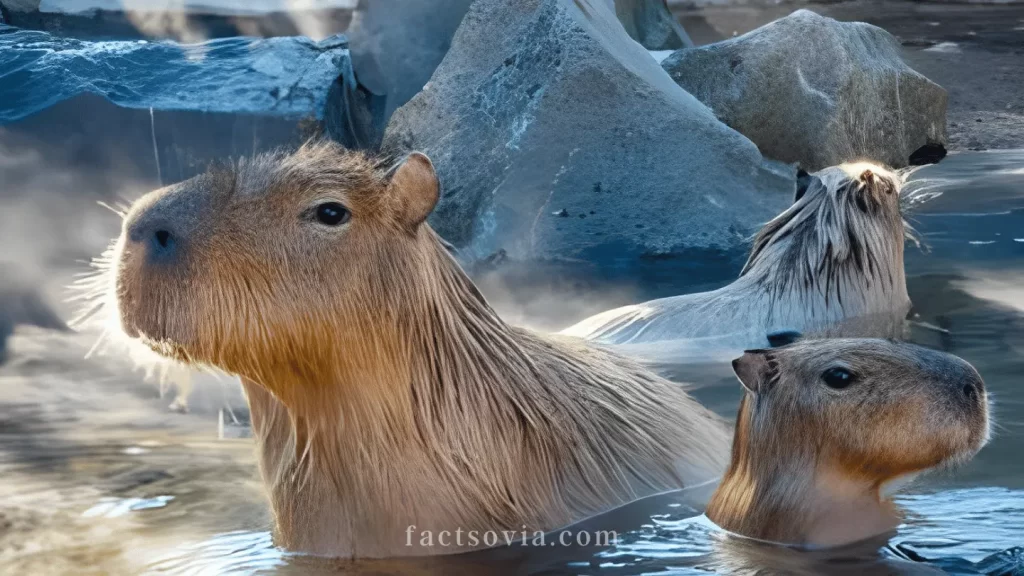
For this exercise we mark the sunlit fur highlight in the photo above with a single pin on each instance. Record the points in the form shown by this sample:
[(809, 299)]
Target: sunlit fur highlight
[(831, 264), (809, 462), (384, 391), (94, 293)]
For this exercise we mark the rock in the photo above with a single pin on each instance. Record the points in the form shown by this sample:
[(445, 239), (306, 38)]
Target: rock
[(275, 76), (397, 44), (548, 105), (172, 109), (812, 90), (650, 23)]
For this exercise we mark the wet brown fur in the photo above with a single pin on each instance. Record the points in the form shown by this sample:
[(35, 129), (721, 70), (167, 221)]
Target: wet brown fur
[(802, 450), (385, 392)]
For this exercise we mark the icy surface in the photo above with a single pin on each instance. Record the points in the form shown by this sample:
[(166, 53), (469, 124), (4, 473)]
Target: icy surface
[(287, 76)]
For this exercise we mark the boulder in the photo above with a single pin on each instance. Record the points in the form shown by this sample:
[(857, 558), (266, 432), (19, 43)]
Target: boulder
[(812, 90), (650, 23), (397, 44), (170, 109), (557, 137)]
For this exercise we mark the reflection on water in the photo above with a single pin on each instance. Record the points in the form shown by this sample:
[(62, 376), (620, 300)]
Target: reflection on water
[(97, 474)]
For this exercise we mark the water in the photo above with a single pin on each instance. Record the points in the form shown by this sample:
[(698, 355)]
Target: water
[(97, 474)]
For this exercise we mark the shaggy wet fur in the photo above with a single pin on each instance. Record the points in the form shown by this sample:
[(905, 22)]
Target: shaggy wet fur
[(385, 392), (810, 462), (832, 264)]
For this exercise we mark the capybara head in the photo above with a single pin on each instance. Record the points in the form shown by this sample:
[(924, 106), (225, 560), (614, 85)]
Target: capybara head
[(865, 408), (245, 265), (825, 428), (844, 232)]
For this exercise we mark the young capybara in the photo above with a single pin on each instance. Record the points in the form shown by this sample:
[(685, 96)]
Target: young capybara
[(386, 395), (831, 264), (827, 426)]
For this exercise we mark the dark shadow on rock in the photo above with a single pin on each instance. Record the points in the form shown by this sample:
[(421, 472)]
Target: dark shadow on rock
[(931, 153)]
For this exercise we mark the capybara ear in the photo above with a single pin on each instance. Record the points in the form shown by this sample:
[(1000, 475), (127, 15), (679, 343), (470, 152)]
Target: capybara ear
[(754, 370), (803, 182), (415, 187)]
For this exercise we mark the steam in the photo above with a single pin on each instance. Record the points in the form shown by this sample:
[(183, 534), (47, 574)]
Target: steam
[(55, 218)]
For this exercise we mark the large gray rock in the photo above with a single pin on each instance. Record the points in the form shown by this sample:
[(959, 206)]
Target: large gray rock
[(650, 23), (557, 137), (809, 89), (397, 44)]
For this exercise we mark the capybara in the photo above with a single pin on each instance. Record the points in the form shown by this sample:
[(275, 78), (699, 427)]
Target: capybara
[(385, 392), (831, 264), (827, 427)]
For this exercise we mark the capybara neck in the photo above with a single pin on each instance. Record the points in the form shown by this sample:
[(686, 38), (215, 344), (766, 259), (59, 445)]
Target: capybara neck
[(387, 397), (826, 426), (782, 493)]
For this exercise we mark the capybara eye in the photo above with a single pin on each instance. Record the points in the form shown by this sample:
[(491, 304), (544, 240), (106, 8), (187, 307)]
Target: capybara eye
[(332, 214), (838, 378)]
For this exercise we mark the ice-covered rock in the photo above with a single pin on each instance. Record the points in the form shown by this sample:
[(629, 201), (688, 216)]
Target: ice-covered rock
[(167, 110), (809, 89), (557, 137), (274, 76)]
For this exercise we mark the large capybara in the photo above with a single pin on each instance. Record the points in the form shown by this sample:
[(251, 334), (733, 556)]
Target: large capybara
[(387, 397), (831, 264), (827, 427)]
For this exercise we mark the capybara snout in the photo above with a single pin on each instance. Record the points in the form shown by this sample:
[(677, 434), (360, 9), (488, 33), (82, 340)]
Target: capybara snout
[(955, 379), (160, 224)]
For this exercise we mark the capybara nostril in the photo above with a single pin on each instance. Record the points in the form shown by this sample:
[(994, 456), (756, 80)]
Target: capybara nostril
[(970, 392), (163, 238), (161, 243)]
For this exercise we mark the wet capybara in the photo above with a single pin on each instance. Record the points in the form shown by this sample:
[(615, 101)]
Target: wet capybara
[(828, 427), (831, 264), (385, 392)]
